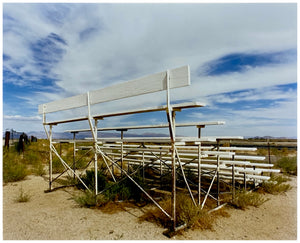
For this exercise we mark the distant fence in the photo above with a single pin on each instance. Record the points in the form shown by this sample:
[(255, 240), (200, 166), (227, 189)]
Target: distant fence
[(12, 136)]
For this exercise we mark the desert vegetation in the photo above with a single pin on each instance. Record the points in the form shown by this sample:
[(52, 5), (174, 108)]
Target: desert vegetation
[(34, 161), (22, 196), (18, 165)]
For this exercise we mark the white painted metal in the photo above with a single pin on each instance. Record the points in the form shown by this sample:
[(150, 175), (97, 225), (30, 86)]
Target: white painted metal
[(64, 104), (179, 77), (157, 139), (165, 125), (182, 151), (238, 149), (246, 157), (179, 106)]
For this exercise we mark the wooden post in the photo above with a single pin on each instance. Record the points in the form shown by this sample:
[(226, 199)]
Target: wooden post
[(7, 136)]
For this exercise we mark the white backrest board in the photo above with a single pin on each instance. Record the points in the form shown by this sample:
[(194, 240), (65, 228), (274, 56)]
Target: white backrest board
[(179, 77)]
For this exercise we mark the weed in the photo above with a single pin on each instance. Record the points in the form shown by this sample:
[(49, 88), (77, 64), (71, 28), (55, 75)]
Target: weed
[(23, 196), (39, 170), (131, 188), (117, 192), (275, 185), (13, 169), (17, 166), (88, 200), (57, 166), (186, 213), (244, 199), (288, 165), (89, 180)]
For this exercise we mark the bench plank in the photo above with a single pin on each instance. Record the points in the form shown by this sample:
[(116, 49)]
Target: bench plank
[(151, 126), (179, 77), (184, 105)]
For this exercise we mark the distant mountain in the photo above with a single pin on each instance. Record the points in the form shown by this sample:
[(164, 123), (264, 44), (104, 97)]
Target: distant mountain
[(270, 137), (83, 135)]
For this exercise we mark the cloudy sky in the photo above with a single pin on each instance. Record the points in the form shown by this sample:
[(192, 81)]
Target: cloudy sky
[(242, 57)]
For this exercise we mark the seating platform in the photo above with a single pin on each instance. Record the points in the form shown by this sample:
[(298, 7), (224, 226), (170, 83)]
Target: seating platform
[(185, 159)]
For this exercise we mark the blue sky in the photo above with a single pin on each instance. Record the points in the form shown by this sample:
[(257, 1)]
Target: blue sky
[(243, 61)]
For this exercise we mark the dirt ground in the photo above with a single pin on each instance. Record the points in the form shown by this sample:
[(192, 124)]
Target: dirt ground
[(55, 216)]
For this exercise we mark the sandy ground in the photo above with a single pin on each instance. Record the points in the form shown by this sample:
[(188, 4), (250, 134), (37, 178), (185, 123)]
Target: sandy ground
[(55, 216)]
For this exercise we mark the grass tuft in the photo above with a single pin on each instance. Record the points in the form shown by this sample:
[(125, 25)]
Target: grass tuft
[(13, 169), (244, 199), (186, 213), (275, 185), (23, 196), (16, 166), (89, 200), (288, 165)]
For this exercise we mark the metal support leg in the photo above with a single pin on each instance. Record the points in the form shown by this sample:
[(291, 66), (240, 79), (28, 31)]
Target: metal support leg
[(96, 158), (208, 191), (74, 153), (50, 159), (143, 164), (199, 174), (245, 181), (233, 183), (161, 173), (122, 149), (199, 130), (218, 174), (173, 187)]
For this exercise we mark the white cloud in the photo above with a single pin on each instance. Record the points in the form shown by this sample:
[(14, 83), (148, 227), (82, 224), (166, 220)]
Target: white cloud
[(260, 77), (22, 123), (135, 40), (279, 119), (109, 43), (22, 118), (268, 93)]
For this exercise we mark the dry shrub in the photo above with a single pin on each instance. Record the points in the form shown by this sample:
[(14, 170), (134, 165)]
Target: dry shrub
[(186, 213), (244, 199), (22, 196), (155, 215), (221, 213), (13, 168), (16, 166), (191, 215), (288, 165), (115, 207), (89, 200), (275, 185)]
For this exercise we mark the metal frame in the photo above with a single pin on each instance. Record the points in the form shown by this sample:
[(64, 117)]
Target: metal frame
[(177, 160)]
